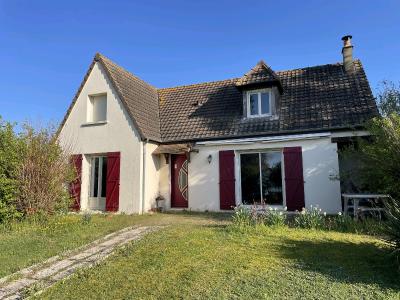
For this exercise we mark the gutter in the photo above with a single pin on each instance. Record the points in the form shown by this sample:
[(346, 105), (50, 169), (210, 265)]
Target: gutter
[(271, 139), (265, 134)]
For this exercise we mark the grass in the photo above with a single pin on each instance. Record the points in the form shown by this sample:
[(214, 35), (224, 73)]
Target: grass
[(201, 257), (27, 243)]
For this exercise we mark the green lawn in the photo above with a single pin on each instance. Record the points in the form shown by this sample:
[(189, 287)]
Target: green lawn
[(200, 257), (26, 243)]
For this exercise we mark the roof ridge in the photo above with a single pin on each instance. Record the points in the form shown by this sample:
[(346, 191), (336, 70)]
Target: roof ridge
[(237, 78), (318, 66), (199, 83)]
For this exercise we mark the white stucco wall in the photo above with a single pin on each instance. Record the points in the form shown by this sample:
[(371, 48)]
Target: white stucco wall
[(165, 180), (152, 176), (117, 135), (320, 165)]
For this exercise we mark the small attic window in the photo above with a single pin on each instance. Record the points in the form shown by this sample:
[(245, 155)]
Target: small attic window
[(259, 103), (97, 108)]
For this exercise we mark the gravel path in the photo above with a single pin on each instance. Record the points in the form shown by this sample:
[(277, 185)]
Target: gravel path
[(41, 276)]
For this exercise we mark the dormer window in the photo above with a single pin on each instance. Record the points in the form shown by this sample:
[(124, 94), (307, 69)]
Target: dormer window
[(261, 89), (259, 103)]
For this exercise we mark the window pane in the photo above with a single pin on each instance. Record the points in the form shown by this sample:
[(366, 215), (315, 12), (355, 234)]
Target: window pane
[(99, 108), (104, 177), (95, 177), (265, 103), (253, 104), (271, 178), (250, 178)]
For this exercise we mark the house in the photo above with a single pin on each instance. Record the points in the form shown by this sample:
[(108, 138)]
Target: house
[(268, 136)]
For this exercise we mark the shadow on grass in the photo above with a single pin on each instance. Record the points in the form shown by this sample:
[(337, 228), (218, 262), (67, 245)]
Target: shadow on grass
[(348, 262)]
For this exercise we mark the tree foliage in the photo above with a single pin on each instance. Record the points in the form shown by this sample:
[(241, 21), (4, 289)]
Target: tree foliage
[(43, 174), (9, 163), (389, 98), (380, 158), (34, 172)]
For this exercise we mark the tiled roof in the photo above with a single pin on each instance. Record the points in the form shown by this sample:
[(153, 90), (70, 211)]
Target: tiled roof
[(261, 73), (315, 98), (139, 97)]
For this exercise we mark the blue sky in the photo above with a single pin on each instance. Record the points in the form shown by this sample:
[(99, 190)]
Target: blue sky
[(47, 46)]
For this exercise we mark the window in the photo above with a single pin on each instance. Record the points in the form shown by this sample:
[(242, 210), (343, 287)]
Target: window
[(261, 178), (98, 176), (259, 103), (97, 111)]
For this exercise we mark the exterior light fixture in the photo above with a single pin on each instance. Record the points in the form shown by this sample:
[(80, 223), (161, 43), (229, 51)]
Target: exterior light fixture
[(209, 158)]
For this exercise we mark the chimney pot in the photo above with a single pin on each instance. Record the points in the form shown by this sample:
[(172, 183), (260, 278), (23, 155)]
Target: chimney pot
[(347, 40), (347, 52)]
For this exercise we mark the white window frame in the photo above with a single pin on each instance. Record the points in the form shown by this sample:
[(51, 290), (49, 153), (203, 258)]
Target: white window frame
[(90, 109), (239, 176), (99, 178), (259, 92)]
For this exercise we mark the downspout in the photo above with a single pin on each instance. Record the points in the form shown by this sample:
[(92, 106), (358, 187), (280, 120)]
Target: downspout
[(144, 175)]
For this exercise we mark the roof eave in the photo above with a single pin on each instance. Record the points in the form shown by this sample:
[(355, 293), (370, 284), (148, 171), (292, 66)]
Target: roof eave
[(271, 133)]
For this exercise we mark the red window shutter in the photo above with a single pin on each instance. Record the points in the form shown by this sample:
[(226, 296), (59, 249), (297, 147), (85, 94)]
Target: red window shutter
[(294, 182), (75, 185), (112, 184), (226, 179)]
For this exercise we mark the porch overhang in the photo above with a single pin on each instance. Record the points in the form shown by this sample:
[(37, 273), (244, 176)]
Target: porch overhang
[(174, 149)]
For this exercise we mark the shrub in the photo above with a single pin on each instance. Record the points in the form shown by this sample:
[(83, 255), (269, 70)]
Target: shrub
[(242, 217), (86, 218), (44, 173), (273, 217), (379, 167), (9, 164), (341, 222), (392, 226), (313, 218), (34, 172), (245, 217)]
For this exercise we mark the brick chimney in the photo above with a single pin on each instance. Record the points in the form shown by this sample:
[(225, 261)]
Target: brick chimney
[(347, 52)]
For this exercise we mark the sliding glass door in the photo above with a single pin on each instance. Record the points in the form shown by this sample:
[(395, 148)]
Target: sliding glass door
[(261, 177)]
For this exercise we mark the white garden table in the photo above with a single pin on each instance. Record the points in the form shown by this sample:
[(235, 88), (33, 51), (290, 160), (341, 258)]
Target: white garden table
[(356, 200)]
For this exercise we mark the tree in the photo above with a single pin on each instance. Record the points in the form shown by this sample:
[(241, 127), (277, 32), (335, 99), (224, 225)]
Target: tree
[(9, 163), (380, 158), (389, 98), (34, 172)]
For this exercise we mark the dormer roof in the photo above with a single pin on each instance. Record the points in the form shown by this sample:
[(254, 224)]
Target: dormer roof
[(260, 74)]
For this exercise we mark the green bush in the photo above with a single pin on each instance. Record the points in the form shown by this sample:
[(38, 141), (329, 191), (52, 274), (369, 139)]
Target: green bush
[(43, 174), (313, 218), (273, 217), (10, 160), (379, 168), (392, 226), (86, 218), (34, 173), (379, 158), (341, 222), (242, 217)]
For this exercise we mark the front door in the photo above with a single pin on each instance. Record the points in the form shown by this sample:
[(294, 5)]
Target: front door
[(179, 181)]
